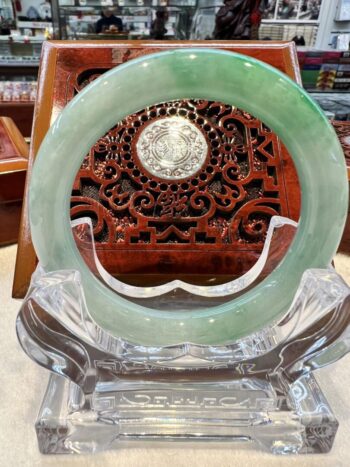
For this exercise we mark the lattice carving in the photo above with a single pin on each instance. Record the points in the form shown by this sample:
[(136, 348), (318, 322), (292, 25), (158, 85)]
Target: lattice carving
[(228, 203), (343, 131)]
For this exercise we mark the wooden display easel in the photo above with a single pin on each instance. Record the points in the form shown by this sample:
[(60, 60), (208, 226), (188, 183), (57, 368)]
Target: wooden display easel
[(150, 247)]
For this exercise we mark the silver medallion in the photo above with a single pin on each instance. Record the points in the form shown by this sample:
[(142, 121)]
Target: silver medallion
[(172, 148)]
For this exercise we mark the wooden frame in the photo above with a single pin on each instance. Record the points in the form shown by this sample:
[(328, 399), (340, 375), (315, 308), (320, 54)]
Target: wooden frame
[(60, 58)]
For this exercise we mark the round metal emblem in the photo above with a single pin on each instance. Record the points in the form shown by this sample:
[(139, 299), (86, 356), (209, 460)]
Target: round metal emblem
[(172, 148)]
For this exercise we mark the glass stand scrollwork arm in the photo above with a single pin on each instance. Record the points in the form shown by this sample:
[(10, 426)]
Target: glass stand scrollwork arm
[(106, 392)]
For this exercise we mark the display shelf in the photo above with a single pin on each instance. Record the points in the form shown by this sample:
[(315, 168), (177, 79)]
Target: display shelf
[(19, 62), (335, 105), (7, 17), (121, 7), (324, 71), (274, 25), (295, 10), (34, 24), (20, 54), (11, 61), (292, 21), (78, 22), (326, 91)]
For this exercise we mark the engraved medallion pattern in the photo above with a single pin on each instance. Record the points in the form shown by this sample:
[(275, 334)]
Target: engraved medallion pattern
[(172, 148)]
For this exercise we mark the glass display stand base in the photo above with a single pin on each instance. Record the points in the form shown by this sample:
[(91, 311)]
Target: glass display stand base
[(246, 411), (107, 392)]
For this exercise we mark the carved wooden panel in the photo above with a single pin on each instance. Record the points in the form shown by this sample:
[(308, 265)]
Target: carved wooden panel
[(211, 223), (229, 201), (225, 207), (343, 131)]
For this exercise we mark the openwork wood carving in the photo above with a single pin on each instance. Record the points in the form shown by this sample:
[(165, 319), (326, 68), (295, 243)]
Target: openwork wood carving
[(230, 200), (226, 204), (343, 131)]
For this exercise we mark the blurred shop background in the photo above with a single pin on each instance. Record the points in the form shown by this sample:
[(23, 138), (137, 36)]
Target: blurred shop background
[(320, 28)]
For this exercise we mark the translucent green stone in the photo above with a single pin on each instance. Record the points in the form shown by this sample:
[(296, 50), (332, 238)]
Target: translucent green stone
[(200, 74)]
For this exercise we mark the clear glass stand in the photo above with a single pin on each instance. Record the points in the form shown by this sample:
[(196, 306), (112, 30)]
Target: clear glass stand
[(246, 410), (105, 392)]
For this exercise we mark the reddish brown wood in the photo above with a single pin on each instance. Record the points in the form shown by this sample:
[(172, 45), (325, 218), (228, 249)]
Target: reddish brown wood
[(21, 113), (215, 220), (343, 131), (13, 165), (224, 237)]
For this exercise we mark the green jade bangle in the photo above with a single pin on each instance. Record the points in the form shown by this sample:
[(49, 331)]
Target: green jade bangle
[(193, 74)]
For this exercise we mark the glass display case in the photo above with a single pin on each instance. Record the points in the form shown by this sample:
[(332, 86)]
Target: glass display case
[(299, 10), (19, 51), (294, 19), (7, 19), (282, 20), (78, 19)]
